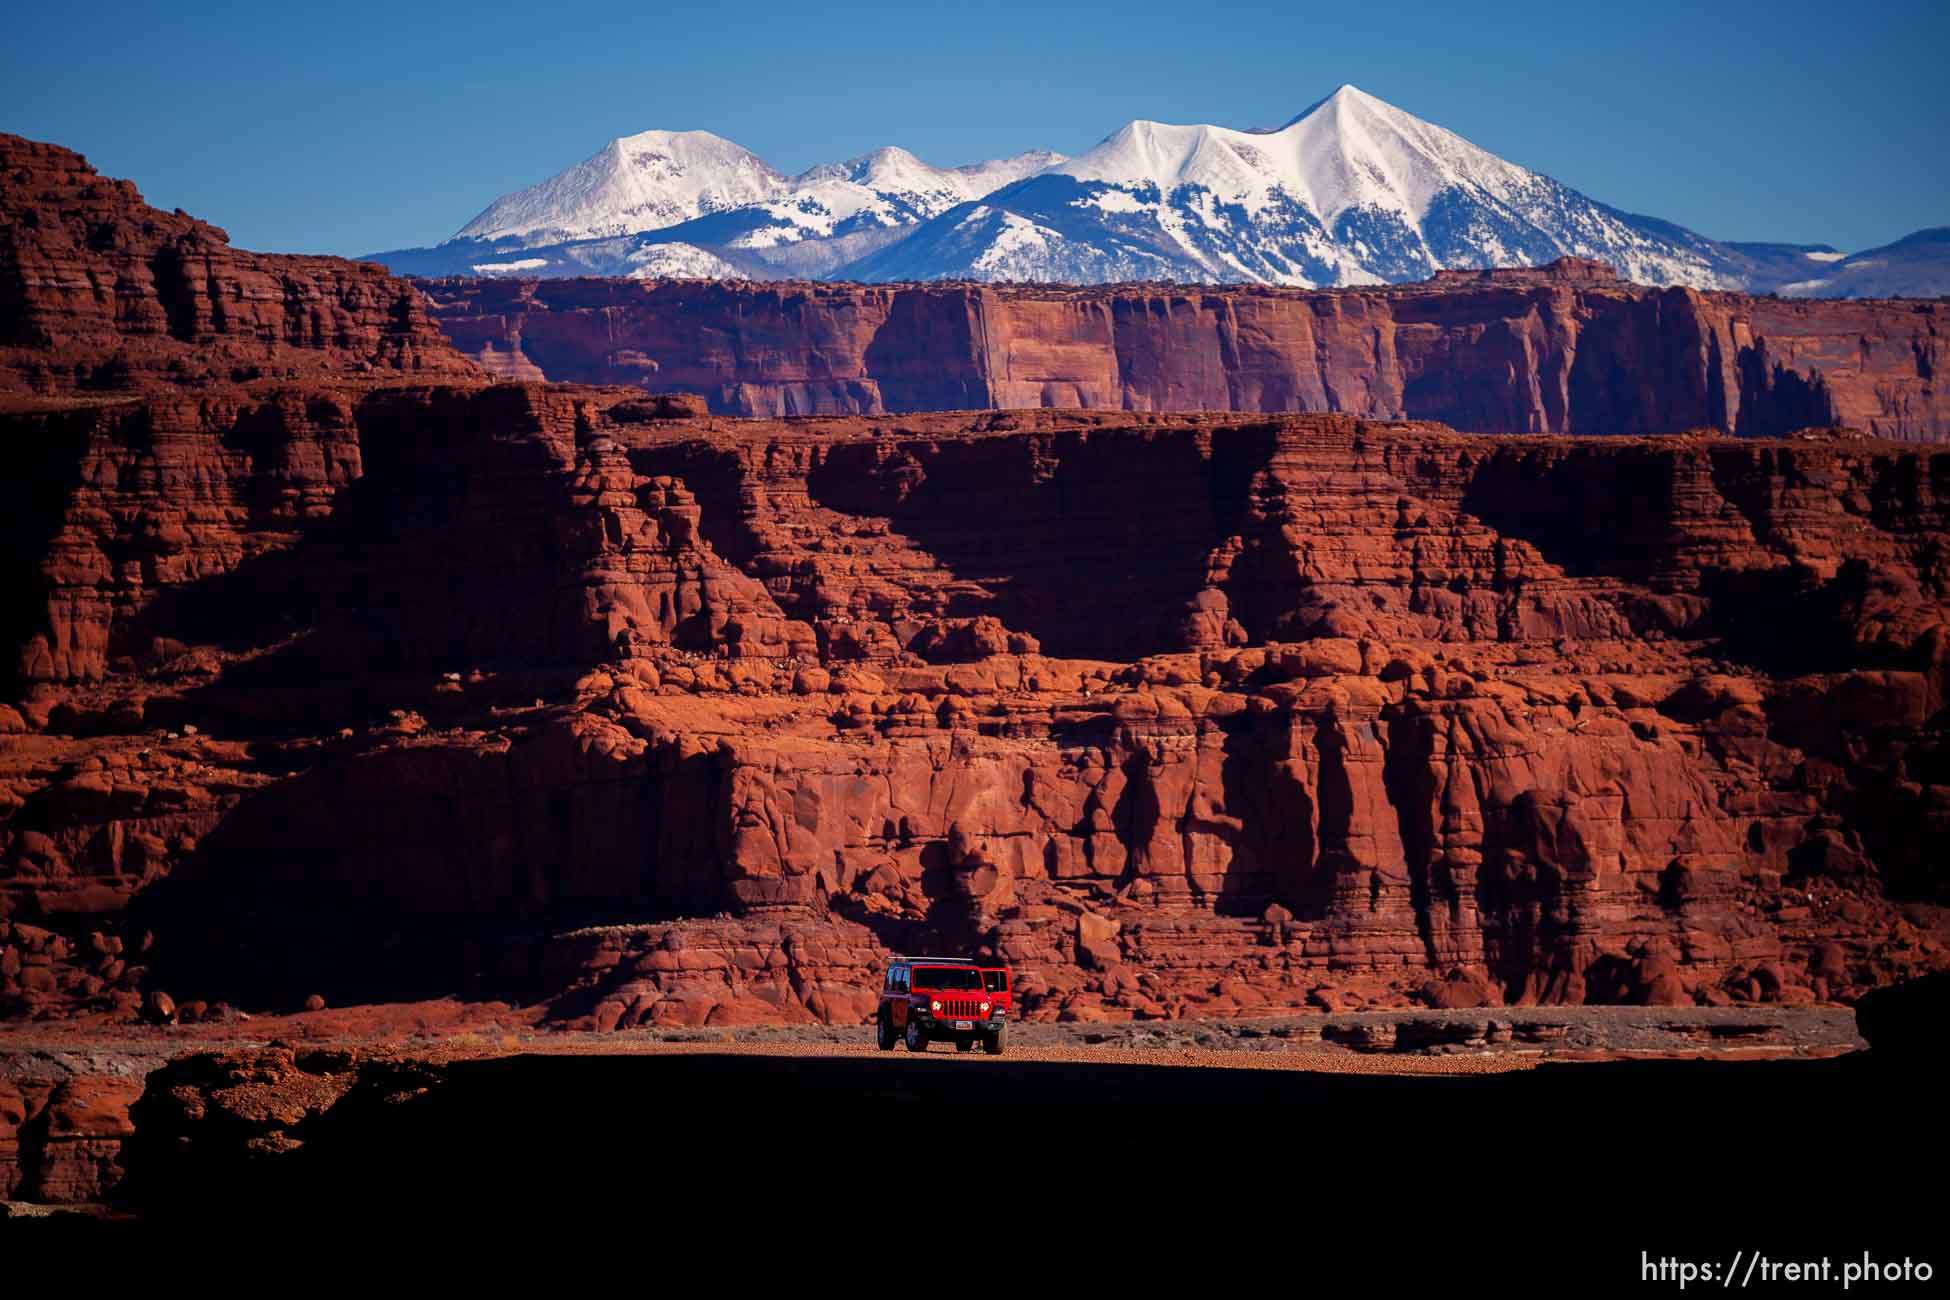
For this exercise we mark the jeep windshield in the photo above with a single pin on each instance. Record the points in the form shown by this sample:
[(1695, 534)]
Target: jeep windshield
[(950, 978)]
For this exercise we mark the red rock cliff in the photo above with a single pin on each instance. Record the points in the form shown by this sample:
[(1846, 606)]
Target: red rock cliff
[(1181, 716), (575, 695), (1565, 350), (100, 291)]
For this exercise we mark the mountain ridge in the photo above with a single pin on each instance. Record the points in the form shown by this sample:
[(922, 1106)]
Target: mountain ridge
[(1350, 191)]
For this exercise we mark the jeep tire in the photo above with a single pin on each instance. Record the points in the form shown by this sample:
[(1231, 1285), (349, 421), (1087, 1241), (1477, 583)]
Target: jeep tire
[(917, 1037), (885, 1035), (995, 1043)]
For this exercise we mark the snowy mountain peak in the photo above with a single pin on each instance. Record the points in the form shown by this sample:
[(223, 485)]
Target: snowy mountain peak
[(1347, 150), (862, 169), (656, 180), (1345, 94), (636, 182), (1345, 88), (1353, 190)]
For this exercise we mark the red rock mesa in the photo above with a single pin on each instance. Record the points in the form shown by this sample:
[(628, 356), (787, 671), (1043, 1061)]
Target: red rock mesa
[(335, 668)]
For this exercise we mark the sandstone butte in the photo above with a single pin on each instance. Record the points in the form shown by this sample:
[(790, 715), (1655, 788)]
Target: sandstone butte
[(1563, 349), (336, 668)]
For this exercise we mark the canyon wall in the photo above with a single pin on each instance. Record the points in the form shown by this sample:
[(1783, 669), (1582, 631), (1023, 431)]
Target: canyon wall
[(1182, 716), (100, 292), (1565, 349), (376, 682)]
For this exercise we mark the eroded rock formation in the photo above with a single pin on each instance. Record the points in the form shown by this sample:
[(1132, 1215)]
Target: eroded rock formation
[(355, 689), (100, 292), (61, 1140), (1566, 349), (1180, 715)]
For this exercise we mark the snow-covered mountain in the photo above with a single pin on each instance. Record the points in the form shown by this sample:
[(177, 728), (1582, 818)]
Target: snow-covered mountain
[(637, 182), (1351, 191), (888, 187), (676, 203), (1915, 266)]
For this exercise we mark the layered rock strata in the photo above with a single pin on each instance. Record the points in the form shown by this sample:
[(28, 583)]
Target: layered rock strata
[(1565, 349), (361, 684), (61, 1139), (101, 293), (1180, 716)]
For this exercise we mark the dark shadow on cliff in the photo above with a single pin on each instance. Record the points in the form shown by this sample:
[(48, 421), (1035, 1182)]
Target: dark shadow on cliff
[(1094, 542), (923, 358), (1775, 400), (1636, 369), (1597, 515), (421, 872), (716, 476), (1520, 903), (1786, 621), (1590, 511), (1409, 775), (446, 554), (43, 470), (1273, 844)]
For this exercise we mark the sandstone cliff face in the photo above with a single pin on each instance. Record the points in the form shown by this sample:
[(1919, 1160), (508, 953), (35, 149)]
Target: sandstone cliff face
[(1181, 716), (1566, 350), (585, 697), (99, 291), (61, 1140)]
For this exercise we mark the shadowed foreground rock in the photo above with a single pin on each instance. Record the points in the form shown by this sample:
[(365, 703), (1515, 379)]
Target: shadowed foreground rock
[(675, 1143), (1909, 1019)]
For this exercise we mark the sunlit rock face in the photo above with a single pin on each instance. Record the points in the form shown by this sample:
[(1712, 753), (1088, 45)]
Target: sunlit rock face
[(375, 684)]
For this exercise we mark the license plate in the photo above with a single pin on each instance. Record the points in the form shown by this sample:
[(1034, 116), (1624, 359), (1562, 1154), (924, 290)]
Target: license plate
[(964, 1024)]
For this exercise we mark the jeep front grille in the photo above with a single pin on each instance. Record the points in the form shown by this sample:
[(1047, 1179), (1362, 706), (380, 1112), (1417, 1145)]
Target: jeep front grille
[(960, 1009)]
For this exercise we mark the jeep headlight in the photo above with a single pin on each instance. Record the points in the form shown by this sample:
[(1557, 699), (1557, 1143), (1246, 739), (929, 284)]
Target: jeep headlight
[(985, 1008), (935, 1006)]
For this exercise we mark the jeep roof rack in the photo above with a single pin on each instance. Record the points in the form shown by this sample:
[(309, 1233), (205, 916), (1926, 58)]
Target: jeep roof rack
[(938, 961)]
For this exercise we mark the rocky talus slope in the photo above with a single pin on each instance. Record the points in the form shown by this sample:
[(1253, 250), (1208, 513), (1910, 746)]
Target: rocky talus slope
[(373, 684), (1563, 349)]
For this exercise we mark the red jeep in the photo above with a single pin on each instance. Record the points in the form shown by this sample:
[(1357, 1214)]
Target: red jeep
[(925, 998)]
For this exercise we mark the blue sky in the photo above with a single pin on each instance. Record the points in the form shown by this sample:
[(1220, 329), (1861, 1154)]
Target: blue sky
[(353, 127)]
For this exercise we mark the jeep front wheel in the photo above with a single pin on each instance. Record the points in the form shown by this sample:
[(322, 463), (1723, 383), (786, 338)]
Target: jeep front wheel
[(886, 1036), (917, 1039), (994, 1043)]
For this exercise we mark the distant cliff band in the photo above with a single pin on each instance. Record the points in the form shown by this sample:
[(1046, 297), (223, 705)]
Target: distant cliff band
[(1565, 349)]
